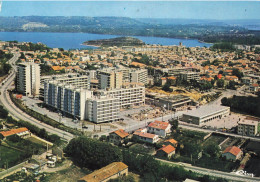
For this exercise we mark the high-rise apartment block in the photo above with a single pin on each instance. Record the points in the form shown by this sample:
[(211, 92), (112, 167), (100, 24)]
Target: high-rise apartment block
[(128, 96), (66, 98), (102, 109), (28, 79), (139, 76), (110, 79)]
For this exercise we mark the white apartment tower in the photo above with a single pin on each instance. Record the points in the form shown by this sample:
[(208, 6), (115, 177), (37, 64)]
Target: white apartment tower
[(139, 76), (102, 109), (28, 79), (66, 98)]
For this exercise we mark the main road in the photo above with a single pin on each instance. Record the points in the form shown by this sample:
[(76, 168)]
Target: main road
[(19, 114), (211, 172)]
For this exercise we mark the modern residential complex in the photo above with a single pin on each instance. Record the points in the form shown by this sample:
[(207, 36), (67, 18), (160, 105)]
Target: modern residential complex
[(110, 79), (102, 109), (246, 127), (131, 95), (139, 76), (66, 98), (28, 79), (205, 114), (188, 76)]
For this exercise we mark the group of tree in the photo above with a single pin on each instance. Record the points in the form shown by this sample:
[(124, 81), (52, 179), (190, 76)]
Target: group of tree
[(208, 63), (47, 70), (33, 47), (153, 170), (223, 46), (245, 104), (146, 60), (4, 65), (167, 87), (206, 85), (92, 154), (3, 112)]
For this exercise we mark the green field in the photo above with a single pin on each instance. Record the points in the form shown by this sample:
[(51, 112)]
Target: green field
[(9, 155), (36, 141)]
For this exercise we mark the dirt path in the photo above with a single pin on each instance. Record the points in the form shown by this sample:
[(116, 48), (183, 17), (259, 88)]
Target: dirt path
[(66, 164)]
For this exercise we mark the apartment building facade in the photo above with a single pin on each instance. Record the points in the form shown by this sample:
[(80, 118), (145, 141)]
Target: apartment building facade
[(66, 98), (188, 76), (248, 128), (128, 96), (110, 79), (139, 76), (28, 79), (102, 109)]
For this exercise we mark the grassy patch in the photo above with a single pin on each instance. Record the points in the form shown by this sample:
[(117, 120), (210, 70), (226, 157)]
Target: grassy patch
[(214, 139), (36, 141), (142, 148), (10, 156), (210, 163)]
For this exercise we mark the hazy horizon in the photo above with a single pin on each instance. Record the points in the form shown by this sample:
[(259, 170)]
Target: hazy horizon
[(197, 10)]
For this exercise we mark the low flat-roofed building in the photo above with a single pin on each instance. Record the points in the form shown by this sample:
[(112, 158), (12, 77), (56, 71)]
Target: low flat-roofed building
[(171, 102), (205, 114), (247, 127), (21, 132), (111, 171)]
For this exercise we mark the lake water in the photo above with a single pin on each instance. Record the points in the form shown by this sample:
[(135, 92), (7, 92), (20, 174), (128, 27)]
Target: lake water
[(74, 40)]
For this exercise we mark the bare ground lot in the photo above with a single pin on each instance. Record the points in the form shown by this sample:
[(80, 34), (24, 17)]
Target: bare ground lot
[(71, 174)]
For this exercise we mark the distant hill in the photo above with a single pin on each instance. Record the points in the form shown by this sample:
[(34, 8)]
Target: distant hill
[(204, 30), (118, 41)]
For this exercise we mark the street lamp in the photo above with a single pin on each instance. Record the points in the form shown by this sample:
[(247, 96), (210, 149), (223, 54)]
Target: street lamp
[(145, 118)]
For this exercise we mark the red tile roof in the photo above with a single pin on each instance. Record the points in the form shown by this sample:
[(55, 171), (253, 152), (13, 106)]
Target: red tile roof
[(13, 131), (233, 150), (121, 133), (145, 135), (168, 149), (172, 141), (159, 125)]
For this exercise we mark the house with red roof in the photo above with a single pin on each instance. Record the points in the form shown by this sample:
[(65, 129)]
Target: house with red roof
[(145, 137), (232, 153), (254, 87), (171, 141), (159, 128), (166, 151), (21, 132), (117, 137)]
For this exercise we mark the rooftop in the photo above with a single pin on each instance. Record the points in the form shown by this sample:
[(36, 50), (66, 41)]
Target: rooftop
[(105, 172), (233, 150), (172, 141), (167, 149), (145, 135), (248, 122), (121, 133), (159, 125), (13, 131), (206, 110)]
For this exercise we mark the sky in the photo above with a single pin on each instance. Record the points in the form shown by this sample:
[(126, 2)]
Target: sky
[(220, 10)]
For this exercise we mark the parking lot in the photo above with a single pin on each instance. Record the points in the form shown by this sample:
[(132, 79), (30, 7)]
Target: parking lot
[(227, 122)]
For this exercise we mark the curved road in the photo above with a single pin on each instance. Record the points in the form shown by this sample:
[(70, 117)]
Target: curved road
[(220, 174), (16, 112)]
